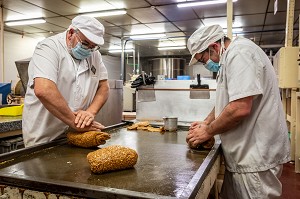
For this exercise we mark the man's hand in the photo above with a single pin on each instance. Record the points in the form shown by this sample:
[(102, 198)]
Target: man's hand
[(198, 133), (196, 124), (94, 126), (83, 119)]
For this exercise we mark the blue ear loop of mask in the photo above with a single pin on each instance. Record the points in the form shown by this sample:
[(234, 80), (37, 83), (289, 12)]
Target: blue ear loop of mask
[(211, 65)]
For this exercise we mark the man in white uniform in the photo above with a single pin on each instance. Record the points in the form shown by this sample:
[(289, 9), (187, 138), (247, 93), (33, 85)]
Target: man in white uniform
[(67, 83), (248, 114)]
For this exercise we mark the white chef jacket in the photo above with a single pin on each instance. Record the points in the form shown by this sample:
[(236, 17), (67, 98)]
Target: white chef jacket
[(260, 141), (76, 80)]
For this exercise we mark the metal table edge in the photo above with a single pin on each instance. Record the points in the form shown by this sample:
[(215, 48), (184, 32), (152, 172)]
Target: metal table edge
[(71, 188), (194, 185)]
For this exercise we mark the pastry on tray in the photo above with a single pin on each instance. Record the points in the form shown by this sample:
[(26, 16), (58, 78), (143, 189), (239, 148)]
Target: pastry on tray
[(145, 126), (138, 125)]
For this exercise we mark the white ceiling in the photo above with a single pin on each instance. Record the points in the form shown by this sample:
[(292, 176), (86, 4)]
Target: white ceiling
[(256, 17)]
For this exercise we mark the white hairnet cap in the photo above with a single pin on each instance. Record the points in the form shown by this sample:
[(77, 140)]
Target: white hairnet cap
[(202, 38), (90, 27)]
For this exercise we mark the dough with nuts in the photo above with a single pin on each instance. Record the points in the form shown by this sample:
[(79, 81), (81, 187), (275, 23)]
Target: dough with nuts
[(112, 158), (87, 139)]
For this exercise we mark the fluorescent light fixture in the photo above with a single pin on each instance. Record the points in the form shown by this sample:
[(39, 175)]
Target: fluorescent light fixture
[(25, 22), (119, 50), (147, 31), (145, 37), (171, 48), (202, 3), (235, 30), (105, 13)]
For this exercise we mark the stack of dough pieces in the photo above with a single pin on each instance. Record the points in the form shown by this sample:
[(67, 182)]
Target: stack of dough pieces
[(144, 126), (112, 158), (87, 139)]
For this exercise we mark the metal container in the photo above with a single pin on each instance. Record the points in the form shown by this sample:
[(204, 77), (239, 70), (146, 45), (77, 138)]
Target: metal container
[(170, 123), (169, 67)]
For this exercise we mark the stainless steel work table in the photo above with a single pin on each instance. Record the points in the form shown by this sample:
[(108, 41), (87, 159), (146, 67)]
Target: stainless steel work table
[(166, 167)]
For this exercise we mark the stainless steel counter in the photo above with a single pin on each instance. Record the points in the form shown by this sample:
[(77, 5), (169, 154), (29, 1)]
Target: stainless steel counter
[(166, 167)]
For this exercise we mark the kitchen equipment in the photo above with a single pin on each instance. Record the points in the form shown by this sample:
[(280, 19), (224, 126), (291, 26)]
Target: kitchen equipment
[(169, 67), (199, 91), (170, 123), (173, 99), (22, 67), (147, 95), (144, 81), (129, 98)]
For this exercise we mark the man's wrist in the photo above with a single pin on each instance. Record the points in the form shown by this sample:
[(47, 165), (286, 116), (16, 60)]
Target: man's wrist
[(210, 130), (206, 122), (92, 112)]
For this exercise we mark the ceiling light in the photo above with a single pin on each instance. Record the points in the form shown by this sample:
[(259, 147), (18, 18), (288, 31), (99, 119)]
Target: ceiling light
[(145, 37), (105, 13), (235, 30), (25, 22), (171, 48), (202, 3), (119, 50)]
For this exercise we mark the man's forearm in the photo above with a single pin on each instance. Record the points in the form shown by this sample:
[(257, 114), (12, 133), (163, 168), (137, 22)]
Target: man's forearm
[(210, 117), (53, 101), (100, 98), (231, 116)]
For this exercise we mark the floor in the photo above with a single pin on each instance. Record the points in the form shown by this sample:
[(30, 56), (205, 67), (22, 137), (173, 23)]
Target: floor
[(290, 182)]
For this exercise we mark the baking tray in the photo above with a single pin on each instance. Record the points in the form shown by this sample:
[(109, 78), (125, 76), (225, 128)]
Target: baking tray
[(166, 167)]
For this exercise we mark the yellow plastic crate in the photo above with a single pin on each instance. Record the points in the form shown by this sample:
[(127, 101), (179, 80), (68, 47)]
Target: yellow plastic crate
[(12, 110)]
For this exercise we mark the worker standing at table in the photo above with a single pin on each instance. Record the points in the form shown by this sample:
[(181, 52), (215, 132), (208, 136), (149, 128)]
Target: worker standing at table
[(248, 114), (67, 83)]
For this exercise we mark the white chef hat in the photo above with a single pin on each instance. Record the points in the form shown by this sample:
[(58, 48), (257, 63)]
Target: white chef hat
[(202, 38), (90, 27)]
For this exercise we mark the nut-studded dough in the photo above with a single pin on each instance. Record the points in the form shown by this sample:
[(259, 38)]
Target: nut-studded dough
[(112, 158), (209, 143), (87, 139)]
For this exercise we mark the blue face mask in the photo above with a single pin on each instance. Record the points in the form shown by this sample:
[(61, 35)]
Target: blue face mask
[(80, 53), (212, 66)]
